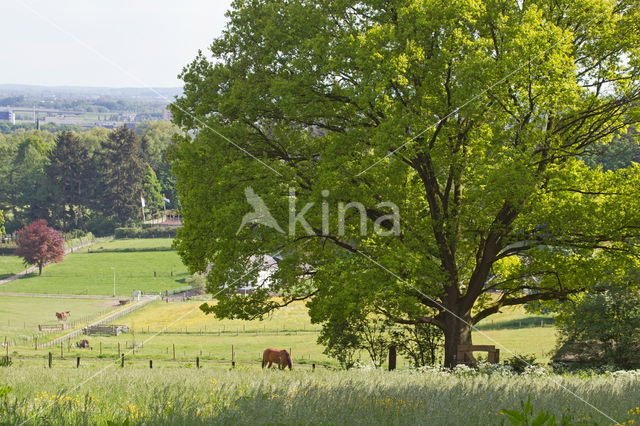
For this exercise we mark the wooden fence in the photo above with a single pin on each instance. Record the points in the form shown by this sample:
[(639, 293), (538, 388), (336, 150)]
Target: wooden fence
[(111, 317)]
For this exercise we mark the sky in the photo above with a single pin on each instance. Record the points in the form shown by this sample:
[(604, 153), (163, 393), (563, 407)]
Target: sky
[(104, 43)]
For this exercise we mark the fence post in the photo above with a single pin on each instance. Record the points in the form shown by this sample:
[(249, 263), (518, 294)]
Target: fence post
[(50, 359), (100, 348), (61, 350), (78, 362), (118, 349), (150, 363), (197, 362), (392, 358), (174, 351), (313, 367), (36, 343), (122, 360), (233, 355)]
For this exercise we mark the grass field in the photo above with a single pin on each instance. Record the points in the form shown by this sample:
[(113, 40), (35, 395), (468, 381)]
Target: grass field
[(502, 330), (20, 316), (160, 316), (248, 395), (89, 271), (10, 265)]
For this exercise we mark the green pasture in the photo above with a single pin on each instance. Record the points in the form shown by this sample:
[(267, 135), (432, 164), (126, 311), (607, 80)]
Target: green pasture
[(249, 395), (513, 330), (160, 315), (160, 326), (10, 265), (244, 348), (20, 316), (139, 264)]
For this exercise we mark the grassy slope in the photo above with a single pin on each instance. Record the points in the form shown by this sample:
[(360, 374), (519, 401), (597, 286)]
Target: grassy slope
[(89, 272), (10, 265)]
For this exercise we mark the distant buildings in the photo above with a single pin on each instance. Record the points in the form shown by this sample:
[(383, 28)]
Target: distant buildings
[(8, 116)]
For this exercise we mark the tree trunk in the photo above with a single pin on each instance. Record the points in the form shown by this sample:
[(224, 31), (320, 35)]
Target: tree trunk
[(40, 266), (456, 332)]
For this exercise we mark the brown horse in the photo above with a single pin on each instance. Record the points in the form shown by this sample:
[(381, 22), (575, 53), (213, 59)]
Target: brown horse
[(280, 357), (62, 316)]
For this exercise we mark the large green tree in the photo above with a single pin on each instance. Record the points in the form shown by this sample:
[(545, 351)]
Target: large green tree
[(121, 175), (69, 174), (471, 116)]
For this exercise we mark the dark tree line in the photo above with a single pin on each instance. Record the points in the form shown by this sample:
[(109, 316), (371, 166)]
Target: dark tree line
[(92, 180)]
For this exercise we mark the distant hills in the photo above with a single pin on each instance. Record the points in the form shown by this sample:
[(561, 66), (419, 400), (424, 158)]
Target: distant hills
[(82, 92)]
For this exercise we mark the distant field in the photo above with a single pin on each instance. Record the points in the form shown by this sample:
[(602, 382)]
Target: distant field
[(10, 265), (89, 271), (20, 316), (160, 316)]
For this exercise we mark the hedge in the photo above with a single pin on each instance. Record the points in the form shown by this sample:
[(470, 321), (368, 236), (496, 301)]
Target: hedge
[(157, 232)]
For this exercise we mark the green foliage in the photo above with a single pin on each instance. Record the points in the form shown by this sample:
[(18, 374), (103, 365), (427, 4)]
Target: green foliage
[(64, 177), (519, 363), (2, 229), (152, 191), (494, 105), (620, 153), (342, 342), (157, 138), (69, 176), (154, 232), (122, 171), (607, 324), (421, 344), (526, 417)]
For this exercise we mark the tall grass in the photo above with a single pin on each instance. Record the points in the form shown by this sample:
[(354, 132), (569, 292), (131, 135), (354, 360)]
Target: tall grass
[(250, 396)]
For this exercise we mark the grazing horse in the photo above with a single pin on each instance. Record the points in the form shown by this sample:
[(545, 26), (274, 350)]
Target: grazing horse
[(280, 357), (82, 344), (62, 316)]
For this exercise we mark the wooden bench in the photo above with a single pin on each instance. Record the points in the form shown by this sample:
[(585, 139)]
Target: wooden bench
[(465, 354)]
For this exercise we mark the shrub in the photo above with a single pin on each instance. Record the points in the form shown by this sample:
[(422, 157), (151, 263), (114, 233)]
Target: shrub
[(136, 232), (520, 363), (601, 329)]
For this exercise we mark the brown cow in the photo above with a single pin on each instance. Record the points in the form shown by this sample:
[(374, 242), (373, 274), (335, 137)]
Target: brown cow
[(83, 344), (62, 316), (280, 357)]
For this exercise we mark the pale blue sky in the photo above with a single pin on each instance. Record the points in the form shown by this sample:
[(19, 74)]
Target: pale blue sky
[(137, 42)]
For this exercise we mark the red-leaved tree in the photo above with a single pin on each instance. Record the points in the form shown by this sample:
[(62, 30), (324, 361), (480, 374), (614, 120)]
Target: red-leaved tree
[(39, 244)]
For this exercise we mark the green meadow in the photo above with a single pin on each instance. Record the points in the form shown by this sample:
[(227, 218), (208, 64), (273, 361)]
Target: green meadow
[(10, 265), (149, 265), (248, 395)]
